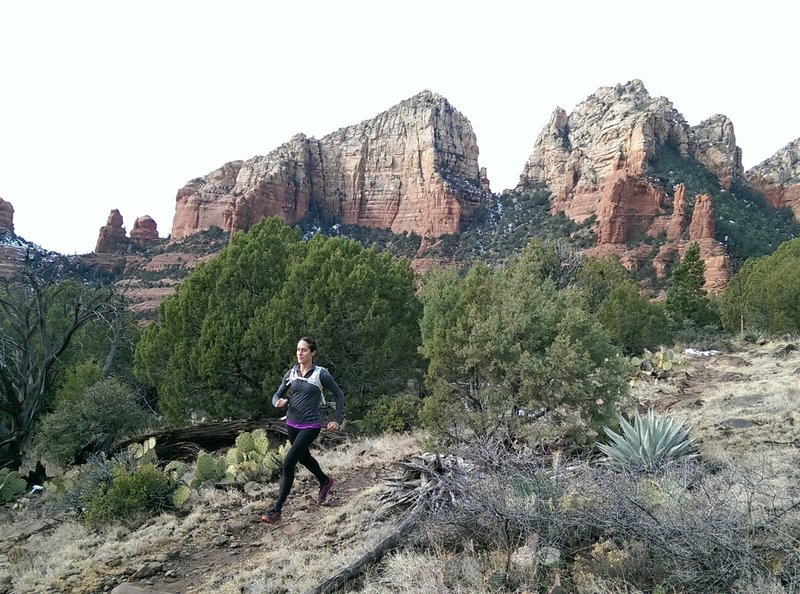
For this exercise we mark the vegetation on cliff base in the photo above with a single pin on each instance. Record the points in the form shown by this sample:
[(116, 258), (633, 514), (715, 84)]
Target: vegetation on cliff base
[(743, 222)]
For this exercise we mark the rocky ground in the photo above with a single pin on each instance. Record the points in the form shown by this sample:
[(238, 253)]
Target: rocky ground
[(740, 403)]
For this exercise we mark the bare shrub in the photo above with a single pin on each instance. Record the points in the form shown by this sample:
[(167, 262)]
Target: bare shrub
[(696, 527)]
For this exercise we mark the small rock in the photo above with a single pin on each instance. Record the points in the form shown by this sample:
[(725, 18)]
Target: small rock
[(550, 556), (254, 489), (219, 540), (147, 570), (738, 424)]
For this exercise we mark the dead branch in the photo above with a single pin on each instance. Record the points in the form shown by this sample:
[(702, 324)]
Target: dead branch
[(427, 482), (374, 555)]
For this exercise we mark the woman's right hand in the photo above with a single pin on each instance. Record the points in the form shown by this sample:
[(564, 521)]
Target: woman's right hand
[(281, 402)]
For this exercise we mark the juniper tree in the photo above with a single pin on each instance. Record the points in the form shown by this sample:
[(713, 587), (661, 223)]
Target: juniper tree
[(686, 298), (224, 340)]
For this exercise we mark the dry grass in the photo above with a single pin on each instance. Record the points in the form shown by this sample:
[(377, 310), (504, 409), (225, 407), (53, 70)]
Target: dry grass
[(408, 573)]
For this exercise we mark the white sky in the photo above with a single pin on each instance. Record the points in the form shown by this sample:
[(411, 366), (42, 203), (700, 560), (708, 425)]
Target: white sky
[(108, 104)]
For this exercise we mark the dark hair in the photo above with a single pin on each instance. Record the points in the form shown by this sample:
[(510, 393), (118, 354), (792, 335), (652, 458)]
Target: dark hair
[(311, 342)]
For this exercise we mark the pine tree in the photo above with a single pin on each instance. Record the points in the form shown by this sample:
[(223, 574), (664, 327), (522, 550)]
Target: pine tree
[(686, 298)]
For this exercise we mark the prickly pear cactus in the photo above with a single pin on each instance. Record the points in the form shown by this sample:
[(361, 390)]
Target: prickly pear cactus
[(209, 468), (145, 452), (260, 441), (245, 443), (11, 485), (234, 457), (663, 360), (251, 459), (175, 469)]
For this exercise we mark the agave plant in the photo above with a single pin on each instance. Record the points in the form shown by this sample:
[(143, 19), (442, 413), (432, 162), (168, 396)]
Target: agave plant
[(649, 443)]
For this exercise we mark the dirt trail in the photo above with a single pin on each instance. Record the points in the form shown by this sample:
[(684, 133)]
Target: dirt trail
[(746, 400), (242, 537)]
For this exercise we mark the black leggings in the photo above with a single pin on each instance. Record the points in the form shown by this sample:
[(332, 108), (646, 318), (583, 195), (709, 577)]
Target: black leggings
[(301, 440)]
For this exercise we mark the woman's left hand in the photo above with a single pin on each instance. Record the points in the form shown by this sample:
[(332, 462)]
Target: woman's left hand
[(333, 426)]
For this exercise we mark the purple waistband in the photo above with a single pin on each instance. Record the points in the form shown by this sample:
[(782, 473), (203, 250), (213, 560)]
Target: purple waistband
[(294, 425)]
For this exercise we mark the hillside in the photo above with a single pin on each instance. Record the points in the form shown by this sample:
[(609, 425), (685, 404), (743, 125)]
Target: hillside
[(740, 405)]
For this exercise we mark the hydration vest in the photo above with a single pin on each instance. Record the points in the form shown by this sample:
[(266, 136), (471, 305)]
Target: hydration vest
[(294, 375)]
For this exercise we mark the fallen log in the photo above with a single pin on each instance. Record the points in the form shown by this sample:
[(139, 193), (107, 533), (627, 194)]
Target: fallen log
[(374, 555), (185, 443)]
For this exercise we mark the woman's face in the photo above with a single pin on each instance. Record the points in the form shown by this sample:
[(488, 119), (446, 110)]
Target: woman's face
[(304, 354)]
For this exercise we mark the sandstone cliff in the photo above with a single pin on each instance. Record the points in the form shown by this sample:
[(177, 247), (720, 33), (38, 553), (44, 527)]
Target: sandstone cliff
[(778, 178), (6, 216), (594, 162), (715, 147), (413, 168)]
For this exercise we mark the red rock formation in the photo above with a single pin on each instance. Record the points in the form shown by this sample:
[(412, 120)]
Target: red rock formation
[(778, 178), (677, 222), (702, 225), (6, 216), (715, 147), (718, 264), (145, 230), (412, 168), (112, 234), (594, 161), (627, 207), (206, 202), (713, 254), (666, 256)]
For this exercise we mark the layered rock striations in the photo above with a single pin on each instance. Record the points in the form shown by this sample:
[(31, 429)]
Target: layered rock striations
[(413, 168), (714, 145), (778, 178), (594, 162)]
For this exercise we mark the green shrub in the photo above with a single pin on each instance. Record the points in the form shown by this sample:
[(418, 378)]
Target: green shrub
[(107, 407), (765, 293), (634, 322), (393, 414), (11, 485), (78, 379), (648, 444), (128, 497), (510, 345)]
